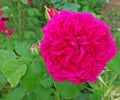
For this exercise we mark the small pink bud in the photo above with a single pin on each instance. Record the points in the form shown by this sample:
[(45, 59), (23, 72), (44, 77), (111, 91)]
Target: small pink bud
[(35, 50), (50, 12)]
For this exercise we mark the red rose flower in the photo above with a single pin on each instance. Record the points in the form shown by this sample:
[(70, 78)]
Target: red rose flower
[(76, 47)]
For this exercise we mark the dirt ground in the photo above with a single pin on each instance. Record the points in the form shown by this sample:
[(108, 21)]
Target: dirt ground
[(111, 13)]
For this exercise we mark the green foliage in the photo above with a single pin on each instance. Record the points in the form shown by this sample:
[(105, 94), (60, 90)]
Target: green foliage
[(24, 2), (117, 37), (114, 65), (95, 6), (68, 5), (13, 70), (31, 79), (16, 94), (6, 55), (23, 75), (25, 48), (3, 81), (43, 93), (68, 90)]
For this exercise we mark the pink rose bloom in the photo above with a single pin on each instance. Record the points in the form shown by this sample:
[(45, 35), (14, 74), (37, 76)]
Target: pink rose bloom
[(2, 25), (76, 47)]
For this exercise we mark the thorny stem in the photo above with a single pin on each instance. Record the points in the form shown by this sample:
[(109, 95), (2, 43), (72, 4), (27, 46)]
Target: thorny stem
[(57, 93), (19, 18)]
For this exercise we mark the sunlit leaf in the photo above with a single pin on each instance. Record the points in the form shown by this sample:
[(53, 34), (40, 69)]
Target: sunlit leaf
[(31, 80), (13, 70), (6, 55)]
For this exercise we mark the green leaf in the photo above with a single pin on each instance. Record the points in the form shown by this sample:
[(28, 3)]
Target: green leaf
[(43, 65), (9, 46), (96, 95), (6, 55), (22, 48), (68, 90), (46, 80), (30, 96), (13, 70), (40, 94), (36, 11), (29, 34), (44, 93), (71, 6), (84, 96), (16, 94), (31, 80), (101, 80), (117, 38), (3, 81), (47, 16), (55, 1), (114, 64), (35, 20), (30, 12)]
